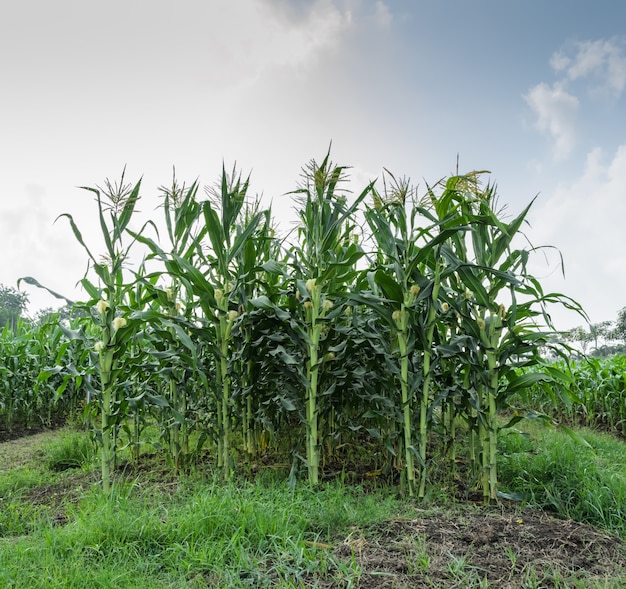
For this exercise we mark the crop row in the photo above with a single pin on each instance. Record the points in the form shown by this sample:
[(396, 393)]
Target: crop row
[(391, 321), (594, 395)]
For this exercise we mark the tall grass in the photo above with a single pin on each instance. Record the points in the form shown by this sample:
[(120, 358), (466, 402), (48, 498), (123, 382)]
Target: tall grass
[(214, 535), (549, 469)]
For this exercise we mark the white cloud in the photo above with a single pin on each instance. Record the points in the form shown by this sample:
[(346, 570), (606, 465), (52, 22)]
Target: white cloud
[(559, 61), (600, 64), (38, 246), (382, 14), (221, 43), (247, 41), (555, 110), (584, 219), (603, 59)]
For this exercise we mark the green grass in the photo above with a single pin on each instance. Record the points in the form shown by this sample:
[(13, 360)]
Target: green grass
[(212, 533), (38, 474), (70, 450), (157, 530), (551, 470)]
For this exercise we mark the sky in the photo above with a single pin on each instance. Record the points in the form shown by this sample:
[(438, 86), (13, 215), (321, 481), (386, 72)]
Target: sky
[(533, 91)]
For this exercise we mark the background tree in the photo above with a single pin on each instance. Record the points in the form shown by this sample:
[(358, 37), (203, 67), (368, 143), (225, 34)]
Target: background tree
[(619, 331), (600, 330), (64, 313), (12, 304), (578, 335), (592, 334)]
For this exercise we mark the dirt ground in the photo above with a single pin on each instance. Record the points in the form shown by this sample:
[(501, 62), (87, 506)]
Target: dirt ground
[(506, 549), (503, 547)]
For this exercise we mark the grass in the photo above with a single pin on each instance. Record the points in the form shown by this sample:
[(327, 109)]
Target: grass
[(551, 470), (159, 531), (70, 450), (212, 533)]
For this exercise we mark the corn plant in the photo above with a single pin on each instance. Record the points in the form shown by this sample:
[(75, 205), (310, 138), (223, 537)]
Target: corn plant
[(258, 274), (116, 205), (227, 237), (500, 338), (67, 372), (180, 212), (264, 347), (41, 369), (405, 292), (324, 263), (19, 368), (209, 275), (595, 396), (169, 311)]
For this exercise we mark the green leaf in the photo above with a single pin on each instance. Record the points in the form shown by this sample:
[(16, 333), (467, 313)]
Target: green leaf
[(217, 236), (183, 336), (391, 289), (527, 379), (30, 280), (575, 436), (287, 404), (511, 496), (285, 356), (94, 292), (263, 302), (77, 234), (127, 212), (245, 235), (273, 267), (158, 400), (46, 373), (474, 284)]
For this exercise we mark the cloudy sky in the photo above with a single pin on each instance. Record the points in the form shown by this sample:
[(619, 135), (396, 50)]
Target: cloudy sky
[(533, 91)]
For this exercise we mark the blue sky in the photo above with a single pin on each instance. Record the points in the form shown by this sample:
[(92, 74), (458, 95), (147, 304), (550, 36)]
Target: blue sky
[(533, 91)]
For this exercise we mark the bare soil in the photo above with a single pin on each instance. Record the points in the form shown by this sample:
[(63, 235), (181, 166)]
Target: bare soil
[(505, 549)]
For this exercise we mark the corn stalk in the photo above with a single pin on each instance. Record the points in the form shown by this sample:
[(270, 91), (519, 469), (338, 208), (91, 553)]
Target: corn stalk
[(106, 299), (324, 260)]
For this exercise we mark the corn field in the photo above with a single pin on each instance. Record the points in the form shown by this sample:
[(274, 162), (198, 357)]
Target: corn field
[(593, 396), (390, 327), (44, 374)]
